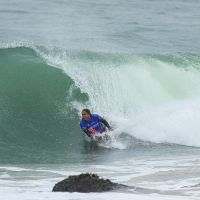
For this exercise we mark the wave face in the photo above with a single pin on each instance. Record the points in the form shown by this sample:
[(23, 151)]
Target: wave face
[(152, 98), (36, 121)]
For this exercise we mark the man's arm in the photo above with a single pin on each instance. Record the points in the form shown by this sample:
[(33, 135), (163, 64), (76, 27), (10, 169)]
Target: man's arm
[(85, 130), (103, 121), (88, 131)]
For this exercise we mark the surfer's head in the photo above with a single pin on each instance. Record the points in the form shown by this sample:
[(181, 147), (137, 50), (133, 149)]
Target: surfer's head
[(86, 114)]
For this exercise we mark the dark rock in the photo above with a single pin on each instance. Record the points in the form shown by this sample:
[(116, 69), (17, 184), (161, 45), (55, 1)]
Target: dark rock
[(86, 183)]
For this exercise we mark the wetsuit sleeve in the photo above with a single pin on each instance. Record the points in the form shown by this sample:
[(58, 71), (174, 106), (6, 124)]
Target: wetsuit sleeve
[(103, 121), (86, 131)]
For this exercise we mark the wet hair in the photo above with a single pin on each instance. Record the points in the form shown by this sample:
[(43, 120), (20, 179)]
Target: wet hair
[(87, 111)]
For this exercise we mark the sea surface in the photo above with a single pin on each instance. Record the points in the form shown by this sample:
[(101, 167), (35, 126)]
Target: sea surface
[(134, 62)]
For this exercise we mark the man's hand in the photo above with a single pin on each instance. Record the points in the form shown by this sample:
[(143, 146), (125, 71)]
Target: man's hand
[(92, 131), (110, 129)]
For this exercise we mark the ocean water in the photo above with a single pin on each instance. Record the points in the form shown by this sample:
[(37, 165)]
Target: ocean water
[(137, 63)]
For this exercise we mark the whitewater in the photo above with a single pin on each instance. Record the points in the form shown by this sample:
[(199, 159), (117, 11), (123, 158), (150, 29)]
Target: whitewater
[(136, 63), (142, 95)]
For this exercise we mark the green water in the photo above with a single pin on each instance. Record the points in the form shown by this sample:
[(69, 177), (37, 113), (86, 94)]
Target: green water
[(39, 122), (36, 121)]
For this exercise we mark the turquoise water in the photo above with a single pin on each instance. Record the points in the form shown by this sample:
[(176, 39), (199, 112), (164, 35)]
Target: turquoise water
[(137, 63)]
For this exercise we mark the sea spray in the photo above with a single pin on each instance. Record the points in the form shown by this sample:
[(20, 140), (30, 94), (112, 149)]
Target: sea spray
[(142, 95)]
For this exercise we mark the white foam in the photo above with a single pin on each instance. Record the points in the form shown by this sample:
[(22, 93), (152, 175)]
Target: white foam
[(14, 44), (171, 175), (12, 168), (9, 194), (176, 122)]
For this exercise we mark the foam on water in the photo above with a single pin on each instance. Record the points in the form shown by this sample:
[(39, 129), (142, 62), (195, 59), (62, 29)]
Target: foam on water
[(172, 177)]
